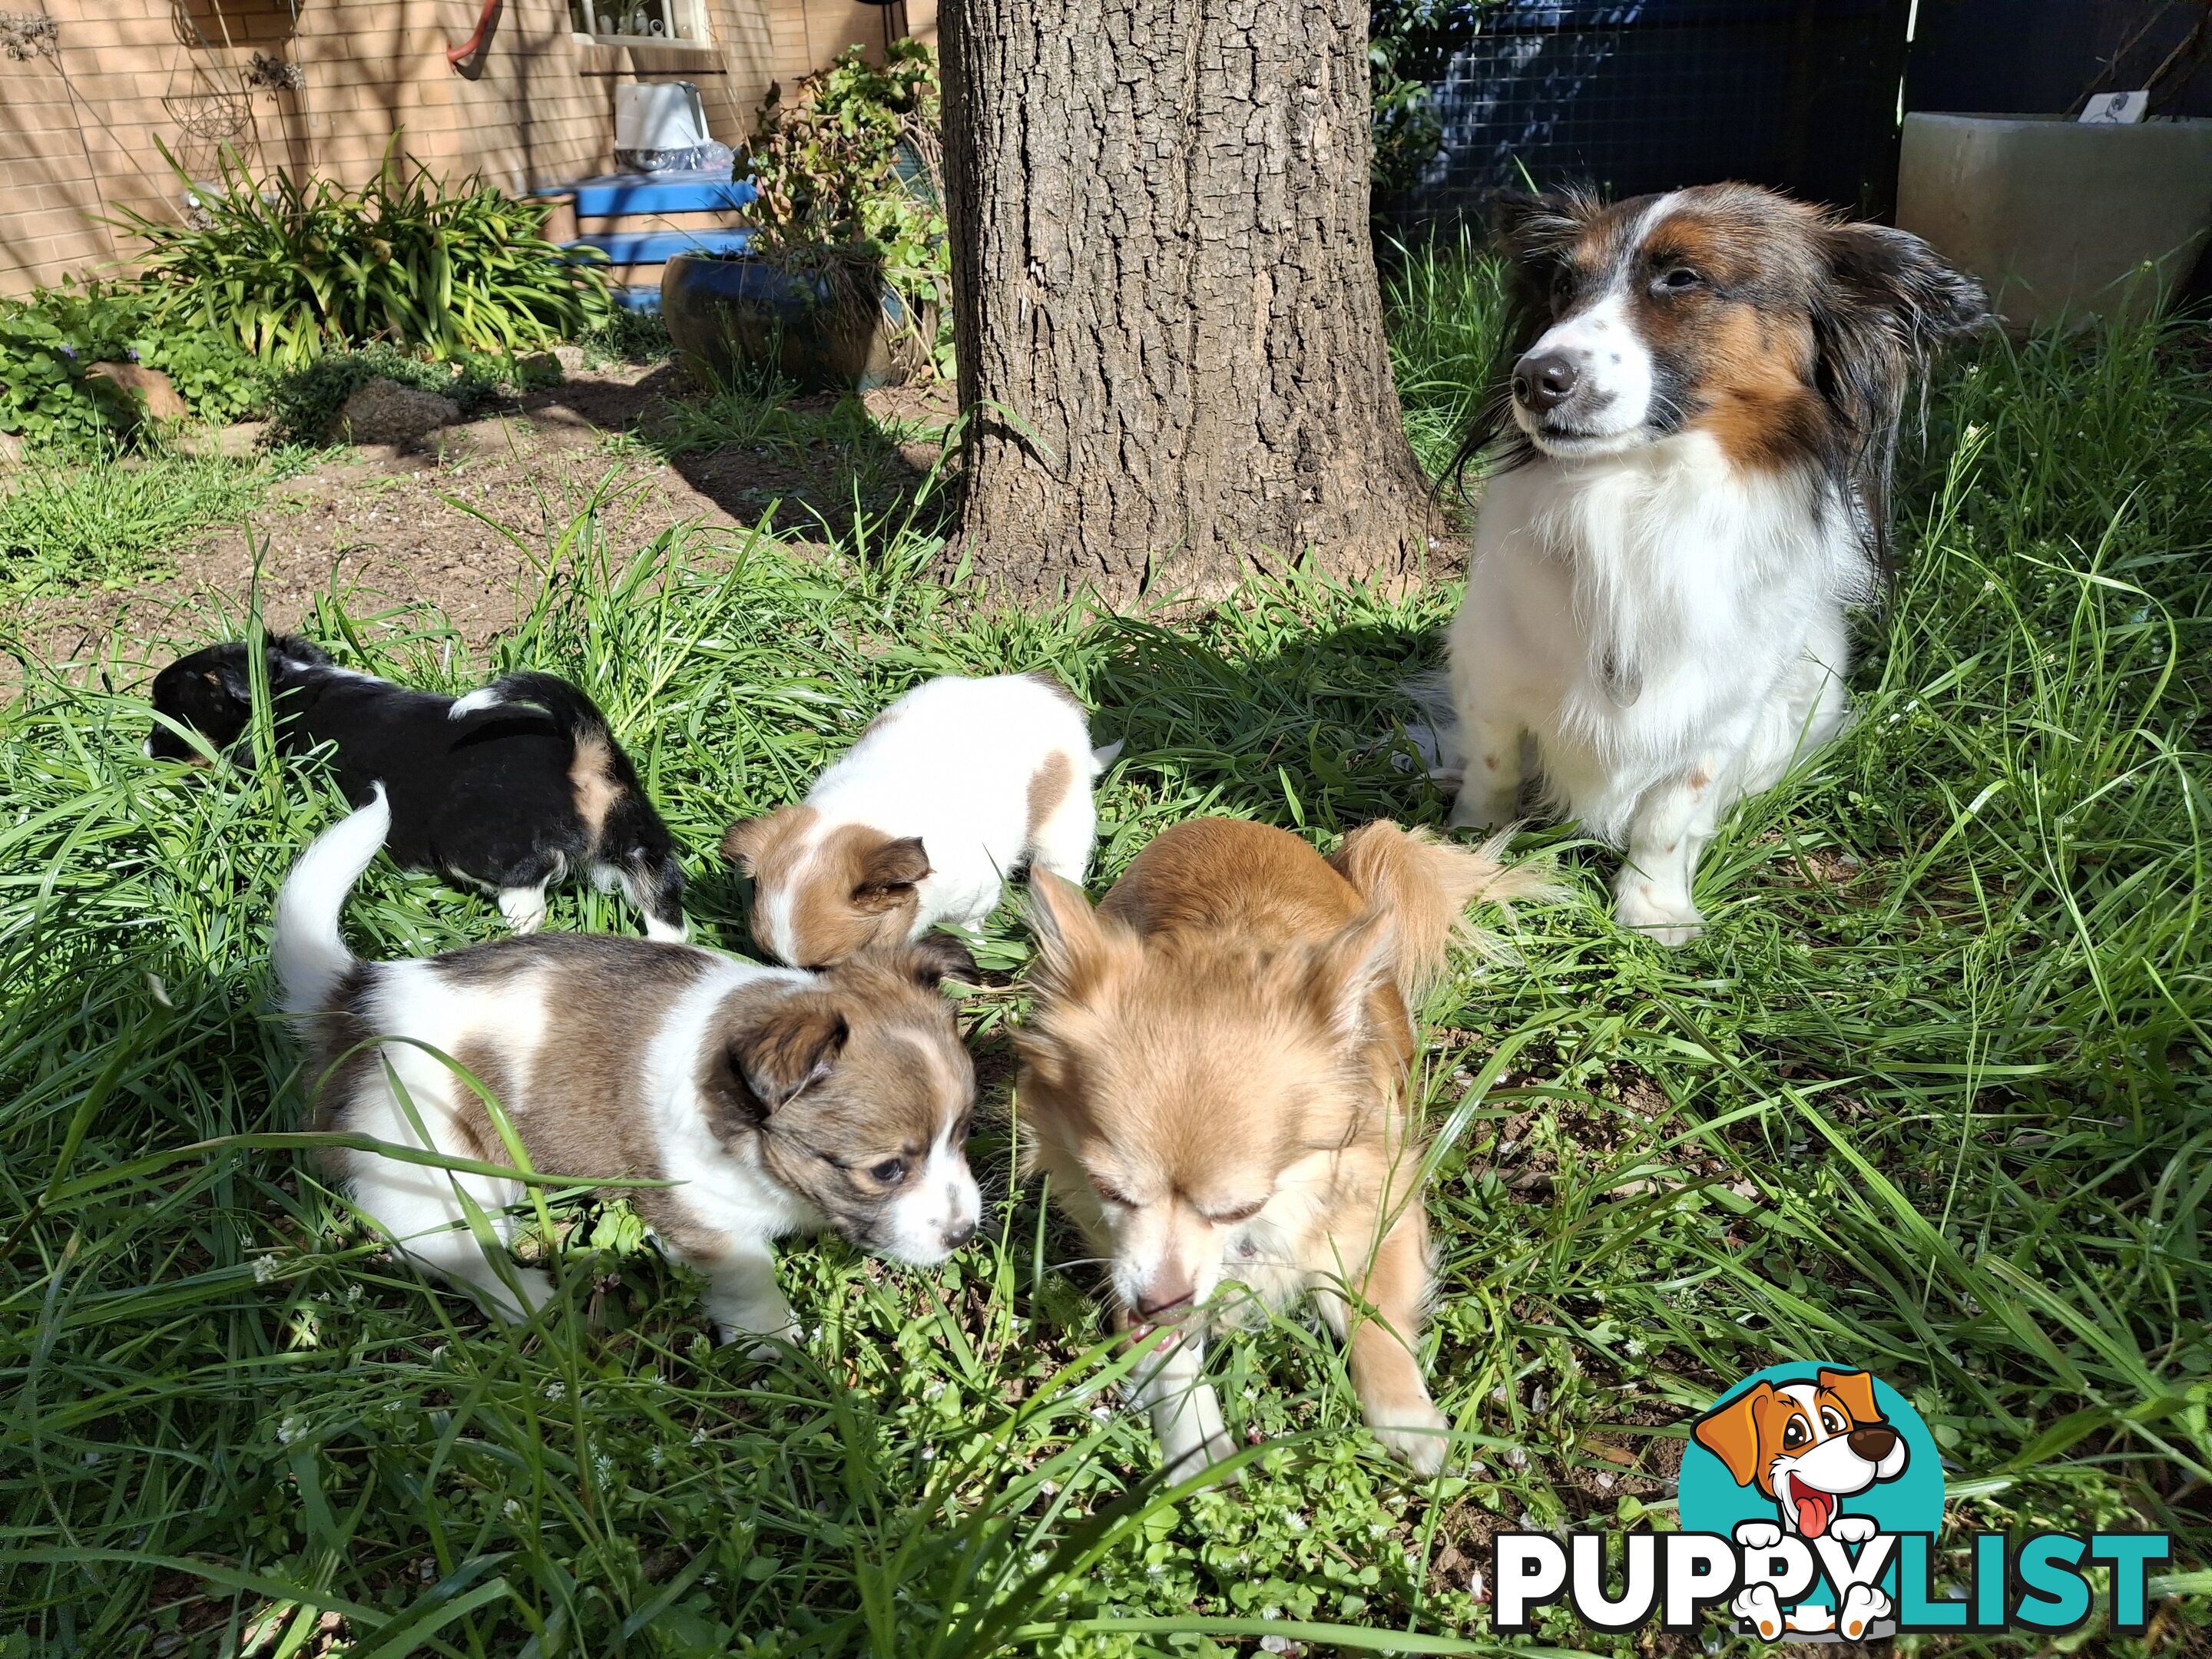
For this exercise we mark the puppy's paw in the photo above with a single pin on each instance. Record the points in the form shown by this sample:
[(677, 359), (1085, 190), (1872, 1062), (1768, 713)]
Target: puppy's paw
[(1758, 1606), (1758, 1535), (1643, 908), (524, 907), (1852, 1528), (1419, 1436), (768, 1342), (1480, 808), (1811, 1619), (1863, 1605)]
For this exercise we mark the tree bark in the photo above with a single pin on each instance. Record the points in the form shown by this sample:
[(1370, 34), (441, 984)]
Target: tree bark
[(1165, 303)]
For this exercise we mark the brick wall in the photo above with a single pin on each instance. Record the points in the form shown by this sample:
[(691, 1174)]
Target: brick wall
[(79, 131)]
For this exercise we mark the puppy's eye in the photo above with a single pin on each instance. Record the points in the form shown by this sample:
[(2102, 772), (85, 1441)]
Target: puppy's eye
[(1795, 1434), (1111, 1196), (1243, 1212), (1563, 287), (1832, 1422), (889, 1172), (1680, 280)]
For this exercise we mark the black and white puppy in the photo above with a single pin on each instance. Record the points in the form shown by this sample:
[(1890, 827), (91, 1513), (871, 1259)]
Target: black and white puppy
[(777, 1101), (510, 788), (1690, 490)]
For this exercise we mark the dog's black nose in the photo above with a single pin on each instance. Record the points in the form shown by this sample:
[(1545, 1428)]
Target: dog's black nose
[(956, 1237), (1544, 380), (1873, 1442)]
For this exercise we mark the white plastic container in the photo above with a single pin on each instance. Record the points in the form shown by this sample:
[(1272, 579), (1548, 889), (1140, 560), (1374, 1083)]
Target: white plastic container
[(659, 115)]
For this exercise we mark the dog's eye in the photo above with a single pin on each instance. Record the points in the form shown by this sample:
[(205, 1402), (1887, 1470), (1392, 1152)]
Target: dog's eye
[(1562, 286), (889, 1172), (1832, 1422), (1111, 1196), (1243, 1212), (1678, 280), (1795, 1434)]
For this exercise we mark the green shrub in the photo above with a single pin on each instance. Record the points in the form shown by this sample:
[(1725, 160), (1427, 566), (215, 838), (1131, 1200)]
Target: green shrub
[(48, 341), (291, 269), (1410, 43), (302, 403), (850, 175)]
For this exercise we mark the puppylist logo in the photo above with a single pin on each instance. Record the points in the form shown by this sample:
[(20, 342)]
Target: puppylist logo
[(1811, 1497)]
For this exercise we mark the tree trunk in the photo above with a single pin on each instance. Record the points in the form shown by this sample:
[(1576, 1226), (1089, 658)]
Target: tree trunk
[(1168, 324)]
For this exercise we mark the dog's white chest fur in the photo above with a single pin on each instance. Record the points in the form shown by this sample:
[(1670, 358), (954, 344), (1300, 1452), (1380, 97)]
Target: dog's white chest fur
[(1669, 629)]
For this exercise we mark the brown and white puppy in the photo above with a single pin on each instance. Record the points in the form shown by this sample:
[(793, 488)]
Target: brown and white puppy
[(1690, 491), (920, 822), (778, 1101), (1214, 1074)]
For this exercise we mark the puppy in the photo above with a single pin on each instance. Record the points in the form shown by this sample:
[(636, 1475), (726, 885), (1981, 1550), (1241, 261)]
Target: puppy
[(1808, 1446), (1214, 1075), (509, 789), (778, 1102), (1691, 490), (947, 791)]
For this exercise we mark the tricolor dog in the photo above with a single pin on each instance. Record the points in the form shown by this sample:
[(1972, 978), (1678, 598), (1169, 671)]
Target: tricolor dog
[(947, 791), (776, 1101), (1808, 1446), (1690, 490), (510, 788)]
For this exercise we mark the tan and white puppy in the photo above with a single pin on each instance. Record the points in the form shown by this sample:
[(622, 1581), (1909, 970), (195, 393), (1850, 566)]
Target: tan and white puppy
[(1214, 1073), (778, 1101), (918, 824)]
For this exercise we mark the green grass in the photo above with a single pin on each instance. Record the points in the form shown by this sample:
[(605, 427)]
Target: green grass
[(1930, 1097), (105, 521)]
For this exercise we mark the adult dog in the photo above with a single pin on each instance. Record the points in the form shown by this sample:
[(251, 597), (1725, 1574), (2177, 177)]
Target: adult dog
[(1690, 492)]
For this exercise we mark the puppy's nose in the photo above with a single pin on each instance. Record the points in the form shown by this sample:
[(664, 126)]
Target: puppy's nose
[(958, 1234), (1873, 1443), (1544, 380), (1153, 1309)]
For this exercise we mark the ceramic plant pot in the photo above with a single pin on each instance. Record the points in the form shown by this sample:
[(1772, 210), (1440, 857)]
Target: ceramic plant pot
[(730, 314)]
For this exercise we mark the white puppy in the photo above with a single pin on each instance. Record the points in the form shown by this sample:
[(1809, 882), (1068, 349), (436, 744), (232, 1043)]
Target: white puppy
[(922, 821), (777, 1101), (1691, 494)]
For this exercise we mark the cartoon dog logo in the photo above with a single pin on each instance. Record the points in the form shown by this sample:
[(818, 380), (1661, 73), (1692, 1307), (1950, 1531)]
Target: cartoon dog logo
[(1808, 1446)]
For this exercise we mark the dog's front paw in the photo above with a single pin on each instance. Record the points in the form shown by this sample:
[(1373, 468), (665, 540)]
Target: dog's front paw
[(1643, 909), (1852, 1528), (767, 1340), (1478, 806), (1187, 1460), (1863, 1605), (1419, 1436), (1758, 1535), (1758, 1606)]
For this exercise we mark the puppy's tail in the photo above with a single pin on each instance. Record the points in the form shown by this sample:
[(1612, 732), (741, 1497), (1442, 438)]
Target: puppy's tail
[(309, 952), (1426, 885), (566, 704)]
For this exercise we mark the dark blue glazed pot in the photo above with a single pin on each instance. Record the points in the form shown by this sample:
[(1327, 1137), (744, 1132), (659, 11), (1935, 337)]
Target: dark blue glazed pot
[(726, 314)]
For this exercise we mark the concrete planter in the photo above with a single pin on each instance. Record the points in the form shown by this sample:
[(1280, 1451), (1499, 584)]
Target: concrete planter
[(2059, 219), (724, 313)]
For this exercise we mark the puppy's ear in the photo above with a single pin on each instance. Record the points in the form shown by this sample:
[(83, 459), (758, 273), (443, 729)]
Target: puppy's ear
[(741, 843), (794, 1043), (1538, 224), (1856, 1390), (1342, 974), (1730, 1433), (886, 875), (936, 957), (1927, 301)]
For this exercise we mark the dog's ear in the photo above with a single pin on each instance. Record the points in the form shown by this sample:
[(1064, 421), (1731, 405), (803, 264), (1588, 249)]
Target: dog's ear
[(1893, 272), (794, 1043), (1730, 1433), (1074, 946), (1342, 974), (886, 876), (743, 840), (1856, 1390), (936, 957)]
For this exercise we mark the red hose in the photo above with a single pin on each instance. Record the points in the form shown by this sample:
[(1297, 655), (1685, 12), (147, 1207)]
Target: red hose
[(475, 43)]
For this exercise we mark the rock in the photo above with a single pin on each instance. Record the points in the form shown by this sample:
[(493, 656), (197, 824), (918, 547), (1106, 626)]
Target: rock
[(149, 385), (239, 442), (540, 368), (11, 449), (387, 412), (571, 359)]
